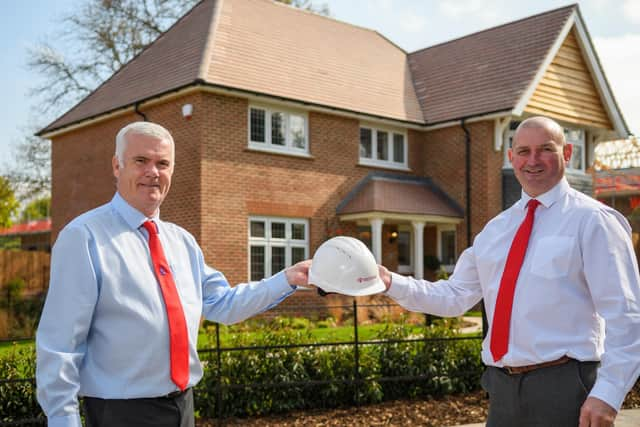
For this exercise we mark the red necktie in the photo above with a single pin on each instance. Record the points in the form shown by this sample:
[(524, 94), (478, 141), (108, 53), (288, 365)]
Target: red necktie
[(504, 302), (178, 336)]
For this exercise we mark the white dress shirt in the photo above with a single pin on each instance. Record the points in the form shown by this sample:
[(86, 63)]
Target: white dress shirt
[(577, 294), (104, 330)]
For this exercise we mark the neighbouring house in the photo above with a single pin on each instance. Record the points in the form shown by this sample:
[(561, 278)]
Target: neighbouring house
[(25, 256), (617, 180), (617, 174), (292, 127), (32, 235)]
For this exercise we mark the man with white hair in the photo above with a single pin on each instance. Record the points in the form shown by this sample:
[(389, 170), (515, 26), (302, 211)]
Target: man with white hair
[(127, 291), (560, 284)]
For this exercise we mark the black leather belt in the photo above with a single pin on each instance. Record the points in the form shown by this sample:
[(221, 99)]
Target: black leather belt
[(175, 394)]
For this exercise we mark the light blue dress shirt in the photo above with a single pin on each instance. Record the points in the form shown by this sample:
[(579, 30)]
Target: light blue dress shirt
[(104, 331)]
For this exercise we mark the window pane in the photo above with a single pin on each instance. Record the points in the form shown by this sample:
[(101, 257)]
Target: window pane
[(257, 229), (404, 248), (383, 145), (398, 148), (277, 128), (277, 230), (296, 131), (297, 255), (257, 263), (365, 143), (448, 255), (257, 125), (297, 231), (277, 259), (576, 157)]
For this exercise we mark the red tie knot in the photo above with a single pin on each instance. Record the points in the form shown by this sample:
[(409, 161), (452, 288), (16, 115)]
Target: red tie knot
[(151, 227), (533, 204)]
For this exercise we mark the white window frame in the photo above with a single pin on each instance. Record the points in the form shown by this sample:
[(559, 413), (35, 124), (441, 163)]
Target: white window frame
[(374, 161), (581, 142), (267, 145), (441, 228), (269, 242)]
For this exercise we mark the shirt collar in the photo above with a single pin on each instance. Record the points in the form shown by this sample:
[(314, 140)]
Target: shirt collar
[(133, 217), (550, 197)]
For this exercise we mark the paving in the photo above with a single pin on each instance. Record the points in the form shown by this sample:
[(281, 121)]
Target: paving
[(626, 418)]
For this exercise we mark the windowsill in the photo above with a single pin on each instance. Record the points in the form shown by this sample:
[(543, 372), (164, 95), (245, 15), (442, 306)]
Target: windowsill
[(384, 166), (279, 152)]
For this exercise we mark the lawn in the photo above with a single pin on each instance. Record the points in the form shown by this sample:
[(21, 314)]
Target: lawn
[(228, 334)]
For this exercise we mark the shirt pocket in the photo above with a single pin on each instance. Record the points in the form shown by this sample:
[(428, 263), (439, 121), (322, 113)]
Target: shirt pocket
[(552, 256)]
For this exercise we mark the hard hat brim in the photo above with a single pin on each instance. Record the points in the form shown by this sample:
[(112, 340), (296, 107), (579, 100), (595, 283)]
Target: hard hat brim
[(376, 287)]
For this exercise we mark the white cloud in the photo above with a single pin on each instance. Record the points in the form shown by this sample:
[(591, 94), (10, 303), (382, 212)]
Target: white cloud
[(412, 23), (632, 10), (385, 5), (485, 10), (620, 58)]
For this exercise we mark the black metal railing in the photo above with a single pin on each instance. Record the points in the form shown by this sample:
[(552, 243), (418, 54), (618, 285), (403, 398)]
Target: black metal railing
[(355, 380)]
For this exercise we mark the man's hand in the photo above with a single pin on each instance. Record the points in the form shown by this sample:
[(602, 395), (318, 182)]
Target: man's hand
[(298, 274), (385, 276), (596, 413)]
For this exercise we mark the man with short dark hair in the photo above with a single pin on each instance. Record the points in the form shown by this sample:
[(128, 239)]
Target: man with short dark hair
[(560, 284), (127, 291)]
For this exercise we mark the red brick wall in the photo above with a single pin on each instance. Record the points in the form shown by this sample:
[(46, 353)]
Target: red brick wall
[(444, 161), (218, 182)]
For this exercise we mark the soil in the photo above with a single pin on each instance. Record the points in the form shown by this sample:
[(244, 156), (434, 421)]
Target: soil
[(448, 411)]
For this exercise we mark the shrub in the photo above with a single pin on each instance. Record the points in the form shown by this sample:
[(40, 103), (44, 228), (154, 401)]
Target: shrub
[(250, 382), (324, 376), (18, 398)]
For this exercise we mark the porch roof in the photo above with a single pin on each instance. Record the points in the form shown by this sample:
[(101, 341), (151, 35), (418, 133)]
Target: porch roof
[(392, 195)]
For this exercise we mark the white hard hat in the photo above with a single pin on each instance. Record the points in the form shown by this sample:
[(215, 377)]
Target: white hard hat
[(345, 265)]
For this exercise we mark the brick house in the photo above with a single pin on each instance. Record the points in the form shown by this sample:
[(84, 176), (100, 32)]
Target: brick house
[(303, 127)]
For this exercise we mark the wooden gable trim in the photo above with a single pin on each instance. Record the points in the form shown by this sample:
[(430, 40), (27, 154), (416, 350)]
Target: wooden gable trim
[(567, 90), (570, 84)]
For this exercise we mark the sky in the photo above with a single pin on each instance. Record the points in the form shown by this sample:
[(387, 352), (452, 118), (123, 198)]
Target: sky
[(614, 27)]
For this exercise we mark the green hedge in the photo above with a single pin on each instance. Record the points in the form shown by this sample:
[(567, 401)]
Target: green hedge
[(18, 399), (449, 366)]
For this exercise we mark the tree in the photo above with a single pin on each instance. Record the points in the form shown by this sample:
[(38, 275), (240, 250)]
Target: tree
[(30, 172), (8, 203), (309, 5), (103, 36), (36, 209)]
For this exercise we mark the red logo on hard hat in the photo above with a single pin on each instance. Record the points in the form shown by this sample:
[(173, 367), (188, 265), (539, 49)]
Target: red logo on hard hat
[(366, 279)]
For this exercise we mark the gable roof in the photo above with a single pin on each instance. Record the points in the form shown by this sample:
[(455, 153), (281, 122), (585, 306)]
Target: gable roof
[(485, 72), (264, 48)]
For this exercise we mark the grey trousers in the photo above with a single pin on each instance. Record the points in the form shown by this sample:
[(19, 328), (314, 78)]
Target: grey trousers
[(545, 397), (157, 412)]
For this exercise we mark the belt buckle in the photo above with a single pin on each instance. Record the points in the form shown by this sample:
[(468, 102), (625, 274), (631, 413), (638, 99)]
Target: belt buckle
[(510, 370)]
